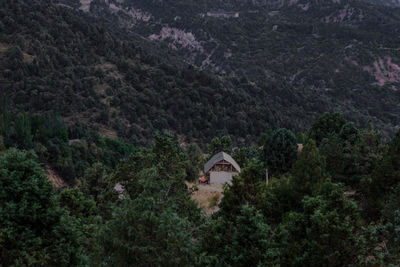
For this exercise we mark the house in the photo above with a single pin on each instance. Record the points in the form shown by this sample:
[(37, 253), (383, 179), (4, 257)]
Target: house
[(221, 168)]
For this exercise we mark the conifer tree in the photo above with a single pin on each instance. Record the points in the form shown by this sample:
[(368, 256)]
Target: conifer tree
[(34, 229), (325, 125), (309, 170), (280, 151)]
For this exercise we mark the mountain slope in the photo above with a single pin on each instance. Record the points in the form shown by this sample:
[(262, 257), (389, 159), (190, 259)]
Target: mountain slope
[(343, 51), (54, 58), (134, 67)]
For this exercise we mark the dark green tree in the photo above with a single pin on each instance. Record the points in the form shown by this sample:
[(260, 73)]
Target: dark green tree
[(264, 136), (384, 179), (352, 155), (244, 241), (280, 151), (147, 231), (217, 144), (349, 133), (240, 156), (325, 125), (195, 155), (389, 230), (308, 170), (155, 222), (84, 211), (195, 160), (34, 229), (245, 188), (99, 186), (323, 232)]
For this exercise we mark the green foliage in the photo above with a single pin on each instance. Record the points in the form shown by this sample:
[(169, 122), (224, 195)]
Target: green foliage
[(245, 241), (93, 69), (194, 162), (390, 233), (309, 170), (326, 125), (280, 151), (139, 233), (352, 157), (385, 177), (301, 138), (84, 211), (76, 203), (195, 157), (101, 72), (245, 188), (95, 181), (349, 133), (217, 145), (300, 218), (245, 155), (240, 157), (98, 186), (34, 229), (69, 149), (154, 223), (323, 233), (261, 141)]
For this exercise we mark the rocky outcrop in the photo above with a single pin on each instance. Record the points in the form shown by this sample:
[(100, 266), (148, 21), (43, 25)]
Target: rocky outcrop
[(384, 71)]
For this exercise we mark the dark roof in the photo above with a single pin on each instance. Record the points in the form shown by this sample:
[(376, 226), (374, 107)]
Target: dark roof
[(217, 158)]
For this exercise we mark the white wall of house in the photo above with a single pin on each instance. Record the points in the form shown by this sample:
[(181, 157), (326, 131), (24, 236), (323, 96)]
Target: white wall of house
[(221, 177)]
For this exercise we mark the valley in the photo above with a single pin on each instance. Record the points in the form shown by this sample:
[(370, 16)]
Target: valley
[(199, 133)]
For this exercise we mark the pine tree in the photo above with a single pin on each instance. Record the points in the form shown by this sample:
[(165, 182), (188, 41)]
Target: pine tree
[(34, 229), (325, 125), (280, 151), (309, 170), (323, 232)]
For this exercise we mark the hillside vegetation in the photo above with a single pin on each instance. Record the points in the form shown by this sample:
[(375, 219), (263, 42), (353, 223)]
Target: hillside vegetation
[(120, 103), (242, 77), (305, 56), (334, 203)]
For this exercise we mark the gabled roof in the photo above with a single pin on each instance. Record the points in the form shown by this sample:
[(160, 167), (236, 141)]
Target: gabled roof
[(218, 157)]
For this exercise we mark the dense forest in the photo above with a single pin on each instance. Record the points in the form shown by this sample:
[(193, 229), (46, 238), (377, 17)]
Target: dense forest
[(300, 57), (96, 69), (110, 109), (335, 203)]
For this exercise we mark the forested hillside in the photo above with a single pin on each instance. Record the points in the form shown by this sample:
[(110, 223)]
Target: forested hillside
[(335, 203), (118, 70), (55, 59), (110, 109), (311, 56)]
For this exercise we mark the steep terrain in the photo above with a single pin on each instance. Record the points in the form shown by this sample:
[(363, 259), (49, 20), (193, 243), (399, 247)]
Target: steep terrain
[(201, 68), (343, 51)]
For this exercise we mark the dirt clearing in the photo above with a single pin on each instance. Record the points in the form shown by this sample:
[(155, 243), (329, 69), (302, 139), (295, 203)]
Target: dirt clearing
[(207, 196)]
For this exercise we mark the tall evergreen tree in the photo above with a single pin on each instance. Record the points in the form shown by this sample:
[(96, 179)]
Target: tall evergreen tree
[(384, 178), (325, 125), (309, 170), (217, 144), (280, 151), (34, 229), (323, 232)]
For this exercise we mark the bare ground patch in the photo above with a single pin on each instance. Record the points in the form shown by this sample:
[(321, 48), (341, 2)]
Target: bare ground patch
[(54, 178), (207, 196)]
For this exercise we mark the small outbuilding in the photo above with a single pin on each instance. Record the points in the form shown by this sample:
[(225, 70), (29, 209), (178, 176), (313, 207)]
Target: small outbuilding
[(221, 168)]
